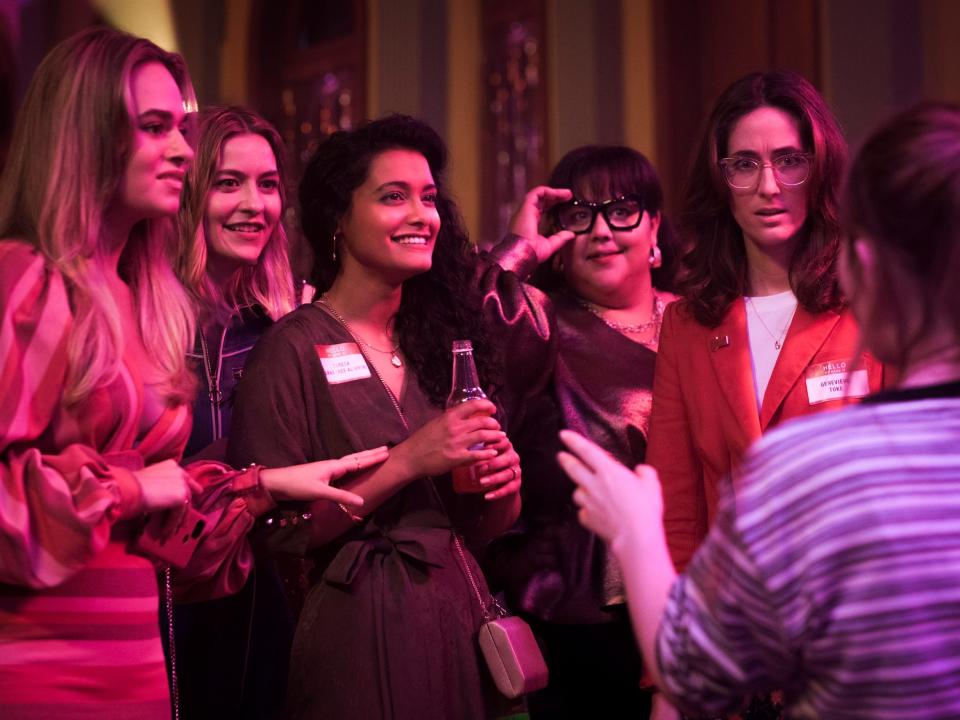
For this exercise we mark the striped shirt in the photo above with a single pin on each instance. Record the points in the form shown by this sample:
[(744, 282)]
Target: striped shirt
[(832, 572), (79, 632)]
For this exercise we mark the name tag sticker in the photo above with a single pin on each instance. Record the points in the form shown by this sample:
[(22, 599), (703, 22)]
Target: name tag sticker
[(342, 362), (832, 381)]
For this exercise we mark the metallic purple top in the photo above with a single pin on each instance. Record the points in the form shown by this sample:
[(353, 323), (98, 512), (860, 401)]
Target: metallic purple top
[(602, 387)]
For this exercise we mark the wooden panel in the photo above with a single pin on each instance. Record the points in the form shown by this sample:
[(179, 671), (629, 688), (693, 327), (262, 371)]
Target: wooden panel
[(514, 129), (309, 79), (464, 92), (637, 71), (940, 21), (702, 46), (797, 42)]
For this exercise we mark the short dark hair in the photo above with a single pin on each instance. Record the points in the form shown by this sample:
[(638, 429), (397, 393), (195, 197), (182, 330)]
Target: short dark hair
[(608, 171), (714, 265)]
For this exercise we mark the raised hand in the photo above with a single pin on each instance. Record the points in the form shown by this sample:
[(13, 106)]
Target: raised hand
[(526, 221), (614, 501)]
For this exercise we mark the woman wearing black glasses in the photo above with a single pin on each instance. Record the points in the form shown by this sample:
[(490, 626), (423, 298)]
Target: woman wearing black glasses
[(606, 286)]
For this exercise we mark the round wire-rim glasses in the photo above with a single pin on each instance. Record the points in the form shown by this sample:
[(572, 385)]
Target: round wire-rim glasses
[(743, 173), (621, 213)]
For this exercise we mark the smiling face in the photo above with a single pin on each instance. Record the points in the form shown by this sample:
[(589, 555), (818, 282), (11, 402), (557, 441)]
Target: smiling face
[(610, 267), (243, 205), (391, 226), (159, 153), (771, 216)]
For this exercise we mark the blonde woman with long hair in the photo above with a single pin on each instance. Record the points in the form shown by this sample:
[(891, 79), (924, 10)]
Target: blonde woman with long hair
[(233, 651), (94, 328), (235, 257)]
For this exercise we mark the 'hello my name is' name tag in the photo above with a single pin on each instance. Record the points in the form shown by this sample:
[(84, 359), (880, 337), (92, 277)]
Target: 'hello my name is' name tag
[(342, 362), (832, 381)]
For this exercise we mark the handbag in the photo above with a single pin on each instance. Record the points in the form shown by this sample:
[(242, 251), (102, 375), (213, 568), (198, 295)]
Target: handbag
[(506, 642), (507, 645)]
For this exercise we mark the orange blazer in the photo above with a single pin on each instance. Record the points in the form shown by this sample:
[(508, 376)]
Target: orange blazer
[(705, 409)]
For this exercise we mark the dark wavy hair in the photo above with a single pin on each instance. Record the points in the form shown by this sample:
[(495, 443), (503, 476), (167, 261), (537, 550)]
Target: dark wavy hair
[(714, 264), (903, 192), (606, 171), (436, 307)]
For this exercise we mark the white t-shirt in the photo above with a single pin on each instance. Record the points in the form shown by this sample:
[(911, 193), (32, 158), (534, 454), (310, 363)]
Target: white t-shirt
[(768, 318)]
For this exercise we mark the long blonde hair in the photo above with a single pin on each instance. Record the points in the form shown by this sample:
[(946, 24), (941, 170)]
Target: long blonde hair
[(269, 282), (67, 158)]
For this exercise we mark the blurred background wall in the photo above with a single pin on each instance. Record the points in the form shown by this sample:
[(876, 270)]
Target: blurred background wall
[(513, 84)]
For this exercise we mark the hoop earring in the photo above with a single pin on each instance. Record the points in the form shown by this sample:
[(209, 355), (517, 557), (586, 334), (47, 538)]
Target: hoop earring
[(335, 236), (656, 257)]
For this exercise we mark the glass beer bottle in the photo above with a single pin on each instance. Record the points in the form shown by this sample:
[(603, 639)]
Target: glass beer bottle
[(465, 387)]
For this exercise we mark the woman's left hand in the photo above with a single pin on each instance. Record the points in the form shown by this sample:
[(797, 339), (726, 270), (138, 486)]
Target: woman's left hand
[(500, 476), (614, 501), (311, 481)]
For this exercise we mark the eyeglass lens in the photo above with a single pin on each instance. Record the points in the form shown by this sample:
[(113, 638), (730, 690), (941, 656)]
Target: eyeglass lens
[(745, 172), (623, 214)]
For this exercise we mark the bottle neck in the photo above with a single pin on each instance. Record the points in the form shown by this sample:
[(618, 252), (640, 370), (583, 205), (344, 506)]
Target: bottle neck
[(465, 371), (466, 383)]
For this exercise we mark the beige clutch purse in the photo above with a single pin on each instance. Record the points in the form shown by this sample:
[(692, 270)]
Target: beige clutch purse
[(513, 656)]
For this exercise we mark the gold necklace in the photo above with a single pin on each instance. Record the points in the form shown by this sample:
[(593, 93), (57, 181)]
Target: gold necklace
[(393, 352), (656, 315)]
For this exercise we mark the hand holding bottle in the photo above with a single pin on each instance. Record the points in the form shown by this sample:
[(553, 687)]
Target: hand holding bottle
[(500, 476), (466, 389), (457, 437)]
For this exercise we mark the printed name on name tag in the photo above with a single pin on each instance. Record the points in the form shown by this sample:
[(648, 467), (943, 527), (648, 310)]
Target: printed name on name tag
[(832, 381), (342, 362)]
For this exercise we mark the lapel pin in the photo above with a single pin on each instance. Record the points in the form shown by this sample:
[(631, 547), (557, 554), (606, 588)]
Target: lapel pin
[(719, 341)]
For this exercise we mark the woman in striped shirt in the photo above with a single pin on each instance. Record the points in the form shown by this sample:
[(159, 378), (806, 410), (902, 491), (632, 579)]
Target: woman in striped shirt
[(833, 569), (94, 387)]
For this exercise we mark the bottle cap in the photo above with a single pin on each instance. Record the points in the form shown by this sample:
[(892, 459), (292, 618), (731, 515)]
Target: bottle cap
[(460, 346)]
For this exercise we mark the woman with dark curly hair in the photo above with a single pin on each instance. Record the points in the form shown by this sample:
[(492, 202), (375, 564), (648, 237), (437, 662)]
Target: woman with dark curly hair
[(762, 334), (389, 627)]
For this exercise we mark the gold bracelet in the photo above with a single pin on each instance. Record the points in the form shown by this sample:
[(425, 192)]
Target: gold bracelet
[(354, 518)]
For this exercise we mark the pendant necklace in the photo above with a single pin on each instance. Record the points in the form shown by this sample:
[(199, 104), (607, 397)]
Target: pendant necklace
[(777, 339), (395, 359)]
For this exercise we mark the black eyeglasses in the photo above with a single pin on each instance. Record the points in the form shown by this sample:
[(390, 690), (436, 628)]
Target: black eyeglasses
[(743, 173), (578, 216)]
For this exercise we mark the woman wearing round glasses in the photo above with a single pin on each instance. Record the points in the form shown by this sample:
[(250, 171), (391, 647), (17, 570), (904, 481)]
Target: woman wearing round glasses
[(604, 205), (833, 570), (762, 334)]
